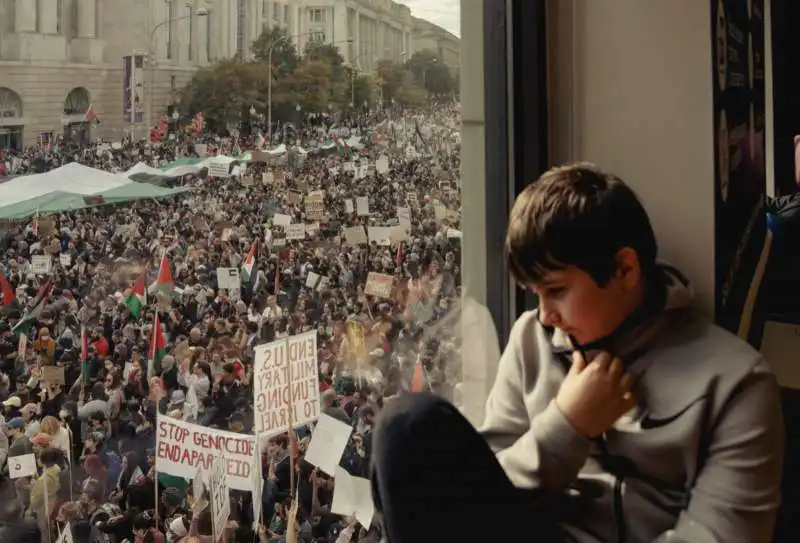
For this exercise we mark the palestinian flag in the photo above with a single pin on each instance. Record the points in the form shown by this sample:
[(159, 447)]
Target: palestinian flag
[(91, 116), (249, 269), (9, 299), (34, 311), (418, 380), (158, 349), (164, 282), (138, 298), (342, 146), (84, 356)]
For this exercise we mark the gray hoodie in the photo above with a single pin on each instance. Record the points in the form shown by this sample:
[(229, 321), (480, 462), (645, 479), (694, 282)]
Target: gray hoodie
[(698, 460)]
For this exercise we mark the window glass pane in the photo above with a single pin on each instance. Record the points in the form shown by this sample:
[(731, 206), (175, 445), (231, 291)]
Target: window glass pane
[(314, 190)]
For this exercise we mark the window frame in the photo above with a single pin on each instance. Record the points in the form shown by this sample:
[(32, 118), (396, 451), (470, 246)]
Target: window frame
[(516, 139)]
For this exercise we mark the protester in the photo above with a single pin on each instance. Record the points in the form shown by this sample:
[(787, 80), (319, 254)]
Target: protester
[(133, 323)]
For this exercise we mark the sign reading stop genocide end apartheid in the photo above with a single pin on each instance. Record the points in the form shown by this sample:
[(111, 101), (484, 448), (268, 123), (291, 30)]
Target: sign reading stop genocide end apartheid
[(286, 376), (182, 447)]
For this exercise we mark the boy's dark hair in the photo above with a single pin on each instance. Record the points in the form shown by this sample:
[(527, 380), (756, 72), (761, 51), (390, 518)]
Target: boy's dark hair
[(50, 457), (577, 215)]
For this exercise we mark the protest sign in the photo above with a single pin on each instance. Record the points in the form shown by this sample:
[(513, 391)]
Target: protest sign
[(22, 466), (66, 535), (65, 259), (328, 442), (53, 375), (348, 206), (218, 168), (295, 231), (286, 377), (220, 496), (452, 233), (355, 235), (182, 447), (381, 235), (228, 278), (382, 165), (379, 285), (312, 229), (41, 264), (362, 206), (315, 206), (257, 475), (352, 497), (312, 279), (279, 219)]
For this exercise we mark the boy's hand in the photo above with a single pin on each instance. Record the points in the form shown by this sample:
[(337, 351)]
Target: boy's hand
[(594, 395)]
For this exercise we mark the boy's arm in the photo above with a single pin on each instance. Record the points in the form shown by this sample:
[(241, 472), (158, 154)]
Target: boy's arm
[(543, 452), (737, 492)]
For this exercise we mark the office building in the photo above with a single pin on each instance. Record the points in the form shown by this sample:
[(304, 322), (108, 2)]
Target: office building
[(366, 31), (427, 36), (61, 58)]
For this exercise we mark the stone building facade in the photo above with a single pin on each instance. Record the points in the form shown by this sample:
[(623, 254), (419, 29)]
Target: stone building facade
[(61, 58)]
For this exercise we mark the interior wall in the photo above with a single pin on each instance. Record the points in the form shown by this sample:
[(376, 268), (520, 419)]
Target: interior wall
[(631, 90)]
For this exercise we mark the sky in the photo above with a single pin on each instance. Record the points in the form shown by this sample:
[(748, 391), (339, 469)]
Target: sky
[(444, 13)]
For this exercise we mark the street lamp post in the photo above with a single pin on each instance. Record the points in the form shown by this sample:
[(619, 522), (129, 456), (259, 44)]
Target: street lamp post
[(200, 12)]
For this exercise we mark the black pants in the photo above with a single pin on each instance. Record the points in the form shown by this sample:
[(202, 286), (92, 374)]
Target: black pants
[(435, 479)]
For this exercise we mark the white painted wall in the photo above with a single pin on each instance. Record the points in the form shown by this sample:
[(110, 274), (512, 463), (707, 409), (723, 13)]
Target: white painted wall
[(631, 90)]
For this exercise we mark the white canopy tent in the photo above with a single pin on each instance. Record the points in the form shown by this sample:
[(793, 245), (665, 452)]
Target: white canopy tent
[(73, 178)]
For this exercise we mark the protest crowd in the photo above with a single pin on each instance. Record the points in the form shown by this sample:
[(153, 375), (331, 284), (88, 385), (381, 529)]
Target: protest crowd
[(208, 366)]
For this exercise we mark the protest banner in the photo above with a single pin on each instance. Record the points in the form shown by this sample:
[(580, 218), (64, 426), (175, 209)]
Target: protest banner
[(182, 447), (286, 377), (379, 285), (220, 496)]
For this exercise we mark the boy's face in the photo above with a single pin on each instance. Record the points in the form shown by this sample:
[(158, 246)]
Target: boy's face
[(572, 301)]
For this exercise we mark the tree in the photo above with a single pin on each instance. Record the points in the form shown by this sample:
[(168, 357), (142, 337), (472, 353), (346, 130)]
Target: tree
[(284, 54), (392, 77), (224, 91), (431, 73), (324, 52), (364, 90), (314, 80), (329, 54)]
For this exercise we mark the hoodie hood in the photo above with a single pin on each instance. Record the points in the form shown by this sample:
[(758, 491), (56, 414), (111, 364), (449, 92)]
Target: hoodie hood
[(669, 305)]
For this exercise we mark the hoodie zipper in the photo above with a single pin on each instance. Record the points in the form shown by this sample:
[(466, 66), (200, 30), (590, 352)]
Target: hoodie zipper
[(619, 512), (619, 481), (619, 478)]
